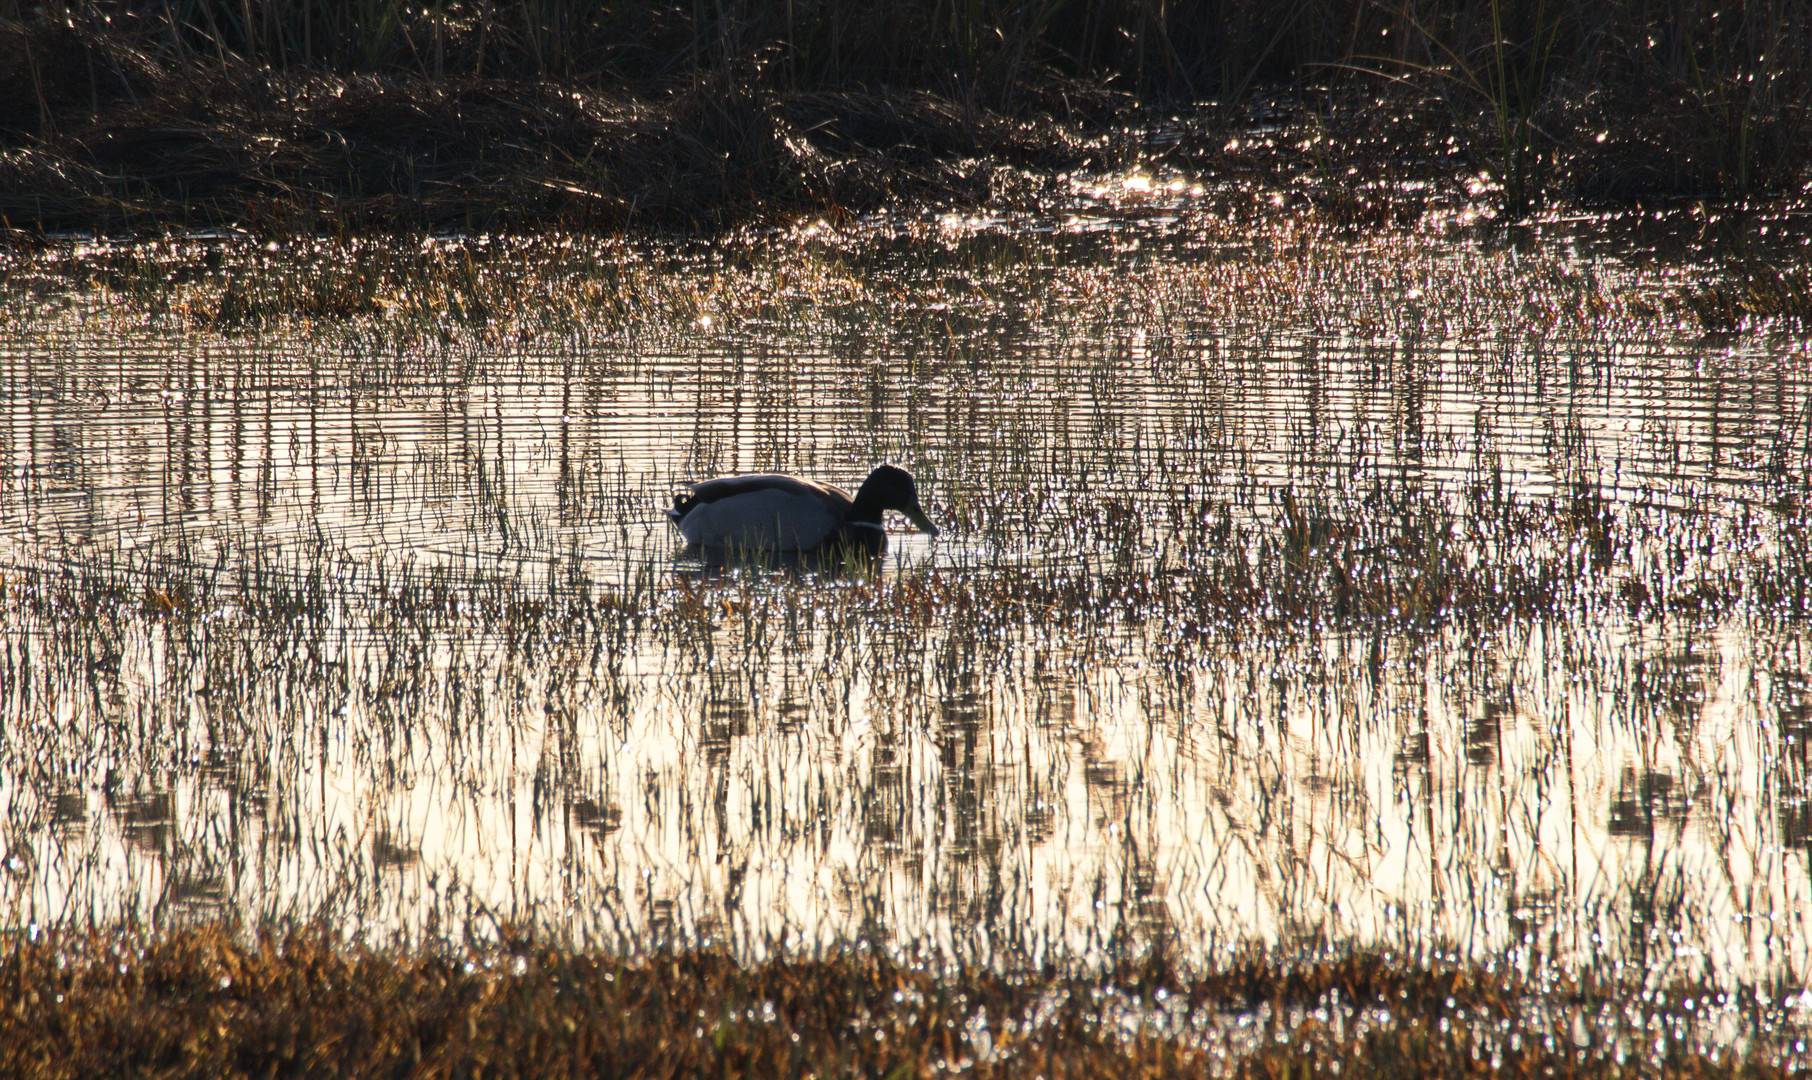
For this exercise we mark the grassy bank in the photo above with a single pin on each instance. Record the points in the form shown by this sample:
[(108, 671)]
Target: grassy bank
[(286, 115), (209, 1002)]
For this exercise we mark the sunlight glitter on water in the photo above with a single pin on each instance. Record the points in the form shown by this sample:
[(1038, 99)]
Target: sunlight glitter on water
[(1291, 616)]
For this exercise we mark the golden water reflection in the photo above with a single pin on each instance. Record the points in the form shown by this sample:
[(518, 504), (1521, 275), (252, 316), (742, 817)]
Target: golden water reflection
[(499, 692)]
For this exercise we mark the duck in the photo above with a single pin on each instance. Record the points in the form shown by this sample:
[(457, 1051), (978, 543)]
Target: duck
[(776, 512)]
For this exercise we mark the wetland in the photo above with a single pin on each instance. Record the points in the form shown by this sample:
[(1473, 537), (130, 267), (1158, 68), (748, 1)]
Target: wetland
[(1365, 627), (1341, 608)]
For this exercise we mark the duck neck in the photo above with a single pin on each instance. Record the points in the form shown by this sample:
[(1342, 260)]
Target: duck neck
[(869, 502), (867, 508)]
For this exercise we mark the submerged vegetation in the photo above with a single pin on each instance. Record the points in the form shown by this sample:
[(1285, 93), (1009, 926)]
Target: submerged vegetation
[(285, 116)]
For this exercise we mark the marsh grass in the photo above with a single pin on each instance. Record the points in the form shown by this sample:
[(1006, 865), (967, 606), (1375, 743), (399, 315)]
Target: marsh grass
[(1471, 544), (285, 116), (1748, 274), (1225, 596), (211, 1002)]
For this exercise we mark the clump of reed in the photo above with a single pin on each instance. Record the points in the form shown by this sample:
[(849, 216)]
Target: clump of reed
[(1754, 295), (210, 1001)]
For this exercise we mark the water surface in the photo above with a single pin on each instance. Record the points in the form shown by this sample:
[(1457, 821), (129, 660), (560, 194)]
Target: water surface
[(1296, 587)]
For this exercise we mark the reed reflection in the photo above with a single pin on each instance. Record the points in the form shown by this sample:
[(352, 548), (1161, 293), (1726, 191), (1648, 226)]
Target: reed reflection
[(1481, 641)]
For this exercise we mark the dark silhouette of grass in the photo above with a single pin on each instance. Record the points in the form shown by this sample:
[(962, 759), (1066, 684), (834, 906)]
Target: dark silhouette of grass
[(289, 115)]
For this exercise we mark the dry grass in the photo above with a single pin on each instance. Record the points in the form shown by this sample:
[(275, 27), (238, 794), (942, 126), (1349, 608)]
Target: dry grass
[(282, 117), (209, 1002), (281, 155)]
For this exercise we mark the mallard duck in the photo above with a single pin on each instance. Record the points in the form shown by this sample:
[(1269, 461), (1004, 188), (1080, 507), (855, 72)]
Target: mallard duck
[(780, 513)]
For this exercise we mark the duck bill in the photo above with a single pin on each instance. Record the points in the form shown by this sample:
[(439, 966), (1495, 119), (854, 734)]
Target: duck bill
[(917, 517)]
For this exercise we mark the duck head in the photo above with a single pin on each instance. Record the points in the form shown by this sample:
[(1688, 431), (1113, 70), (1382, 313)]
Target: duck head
[(890, 487)]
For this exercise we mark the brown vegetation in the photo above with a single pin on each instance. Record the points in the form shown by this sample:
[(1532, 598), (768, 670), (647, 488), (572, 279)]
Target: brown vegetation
[(281, 116), (276, 154), (208, 1002)]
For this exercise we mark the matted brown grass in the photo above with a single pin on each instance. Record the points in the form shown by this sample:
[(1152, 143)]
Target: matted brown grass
[(213, 1002), (280, 117)]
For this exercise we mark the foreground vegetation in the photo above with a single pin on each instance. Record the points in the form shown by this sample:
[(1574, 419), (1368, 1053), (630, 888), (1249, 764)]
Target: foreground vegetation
[(210, 1002), (278, 116)]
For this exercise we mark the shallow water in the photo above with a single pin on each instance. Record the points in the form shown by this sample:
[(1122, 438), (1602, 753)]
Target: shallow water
[(1295, 588)]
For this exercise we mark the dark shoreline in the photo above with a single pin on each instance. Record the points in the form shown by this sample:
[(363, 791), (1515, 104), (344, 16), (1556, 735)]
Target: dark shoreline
[(282, 155), (132, 125)]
